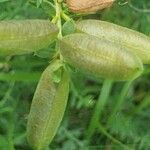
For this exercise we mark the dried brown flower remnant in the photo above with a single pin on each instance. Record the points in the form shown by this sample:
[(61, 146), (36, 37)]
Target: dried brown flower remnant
[(84, 6)]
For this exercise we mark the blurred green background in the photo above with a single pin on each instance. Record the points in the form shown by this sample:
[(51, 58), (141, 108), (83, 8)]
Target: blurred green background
[(130, 126)]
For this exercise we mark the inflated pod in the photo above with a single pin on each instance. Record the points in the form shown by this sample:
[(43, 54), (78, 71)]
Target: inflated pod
[(47, 108), (137, 42), (25, 36), (100, 57), (88, 6)]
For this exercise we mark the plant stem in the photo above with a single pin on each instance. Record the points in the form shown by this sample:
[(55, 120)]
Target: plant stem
[(99, 107), (66, 17), (119, 102), (58, 22), (58, 17)]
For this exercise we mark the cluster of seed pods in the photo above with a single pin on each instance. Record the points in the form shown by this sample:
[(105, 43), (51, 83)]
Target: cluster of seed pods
[(107, 50), (98, 48)]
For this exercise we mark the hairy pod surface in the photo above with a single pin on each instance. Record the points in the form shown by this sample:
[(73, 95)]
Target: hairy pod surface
[(100, 57), (87, 6), (137, 42), (47, 108), (25, 36)]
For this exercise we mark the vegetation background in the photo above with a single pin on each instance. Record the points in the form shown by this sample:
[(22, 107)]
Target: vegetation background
[(129, 128)]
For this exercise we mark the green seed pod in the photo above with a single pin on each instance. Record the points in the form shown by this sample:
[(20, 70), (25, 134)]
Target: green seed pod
[(26, 36), (100, 57), (137, 42), (47, 109)]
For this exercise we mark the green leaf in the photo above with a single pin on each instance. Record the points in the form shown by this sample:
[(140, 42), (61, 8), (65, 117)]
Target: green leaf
[(57, 72), (46, 52), (68, 28), (49, 9), (56, 76), (123, 126), (39, 2), (32, 2)]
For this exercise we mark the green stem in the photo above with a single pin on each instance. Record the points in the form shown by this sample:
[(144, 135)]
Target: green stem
[(11, 127), (58, 22), (58, 17), (113, 139), (119, 102), (66, 17), (99, 107)]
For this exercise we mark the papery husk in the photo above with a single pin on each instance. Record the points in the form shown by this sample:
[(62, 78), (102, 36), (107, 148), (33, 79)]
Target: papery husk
[(88, 6)]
